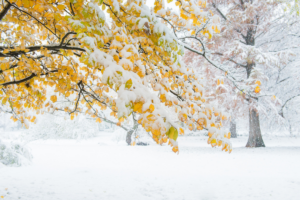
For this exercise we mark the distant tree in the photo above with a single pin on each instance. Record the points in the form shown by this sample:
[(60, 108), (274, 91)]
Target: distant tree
[(238, 51)]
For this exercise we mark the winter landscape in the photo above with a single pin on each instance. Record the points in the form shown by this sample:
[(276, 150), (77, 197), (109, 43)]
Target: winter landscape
[(150, 99)]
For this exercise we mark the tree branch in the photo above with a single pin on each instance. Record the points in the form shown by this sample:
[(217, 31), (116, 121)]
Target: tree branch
[(16, 7), (27, 78), (5, 10), (36, 48), (63, 39)]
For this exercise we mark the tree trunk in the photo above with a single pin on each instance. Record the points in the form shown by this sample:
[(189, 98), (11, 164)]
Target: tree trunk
[(233, 128), (255, 138), (130, 132), (128, 136)]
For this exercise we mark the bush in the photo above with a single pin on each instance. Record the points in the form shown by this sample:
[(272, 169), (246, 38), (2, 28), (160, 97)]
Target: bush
[(14, 154)]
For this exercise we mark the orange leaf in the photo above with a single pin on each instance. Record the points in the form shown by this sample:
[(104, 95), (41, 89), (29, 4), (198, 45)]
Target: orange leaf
[(257, 89), (258, 82), (175, 149)]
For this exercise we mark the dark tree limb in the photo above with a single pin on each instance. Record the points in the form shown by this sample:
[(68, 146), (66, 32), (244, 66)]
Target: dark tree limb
[(5, 10), (27, 78), (63, 39), (37, 48)]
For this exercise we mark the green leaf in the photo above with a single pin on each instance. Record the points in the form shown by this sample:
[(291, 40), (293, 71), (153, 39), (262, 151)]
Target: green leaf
[(128, 84), (172, 133), (120, 73), (160, 42), (108, 82)]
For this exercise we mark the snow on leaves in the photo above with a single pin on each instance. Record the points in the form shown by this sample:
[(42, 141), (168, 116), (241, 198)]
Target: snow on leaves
[(65, 56)]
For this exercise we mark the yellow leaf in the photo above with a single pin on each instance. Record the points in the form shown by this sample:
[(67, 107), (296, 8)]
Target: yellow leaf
[(219, 143), (191, 127), (53, 98), (133, 144), (258, 82), (121, 119), (165, 140), (151, 117), (61, 7), (5, 51), (151, 108), (67, 94), (181, 131), (119, 38), (138, 107), (128, 84), (185, 77)]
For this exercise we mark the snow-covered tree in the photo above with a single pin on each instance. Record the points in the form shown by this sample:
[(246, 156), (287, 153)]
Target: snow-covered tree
[(241, 55), (67, 51)]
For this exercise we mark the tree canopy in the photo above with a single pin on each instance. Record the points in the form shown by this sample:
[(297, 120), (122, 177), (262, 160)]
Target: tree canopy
[(67, 55)]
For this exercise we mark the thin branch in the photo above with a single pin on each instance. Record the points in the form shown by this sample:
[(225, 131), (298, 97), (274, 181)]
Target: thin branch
[(16, 7), (289, 100), (217, 9)]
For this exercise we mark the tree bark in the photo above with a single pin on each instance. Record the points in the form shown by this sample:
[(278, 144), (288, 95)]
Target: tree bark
[(255, 138), (130, 132), (233, 128), (128, 136)]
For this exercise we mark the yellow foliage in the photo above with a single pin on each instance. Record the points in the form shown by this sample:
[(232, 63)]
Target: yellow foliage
[(68, 49)]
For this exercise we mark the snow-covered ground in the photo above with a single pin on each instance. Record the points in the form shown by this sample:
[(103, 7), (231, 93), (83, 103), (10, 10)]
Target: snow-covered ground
[(100, 169)]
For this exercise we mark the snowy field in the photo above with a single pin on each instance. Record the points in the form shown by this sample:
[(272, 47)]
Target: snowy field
[(101, 168)]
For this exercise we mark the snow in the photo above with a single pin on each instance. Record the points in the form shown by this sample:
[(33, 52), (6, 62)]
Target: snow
[(101, 168)]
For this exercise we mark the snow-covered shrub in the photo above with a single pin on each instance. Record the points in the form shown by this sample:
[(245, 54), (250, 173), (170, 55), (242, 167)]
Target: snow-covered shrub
[(60, 126), (14, 154)]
